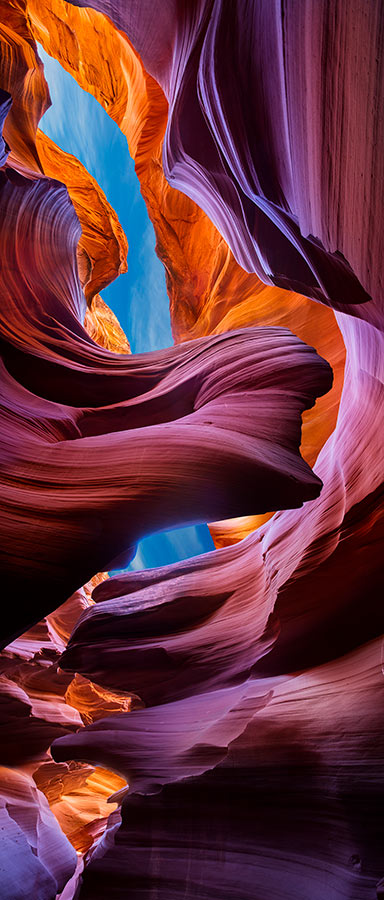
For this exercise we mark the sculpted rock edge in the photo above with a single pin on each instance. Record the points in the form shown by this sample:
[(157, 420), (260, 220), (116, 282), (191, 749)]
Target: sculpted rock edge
[(256, 767)]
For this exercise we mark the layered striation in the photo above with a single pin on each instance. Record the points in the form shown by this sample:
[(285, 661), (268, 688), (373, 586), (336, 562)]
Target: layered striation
[(247, 161), (64, 394), (239, 693), (209, 291)]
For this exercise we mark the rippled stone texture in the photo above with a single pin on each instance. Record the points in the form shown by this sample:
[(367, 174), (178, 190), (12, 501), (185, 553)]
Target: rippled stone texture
[(34, 703), (42, 860), (280, 145), (168, 410), (256, 768), (320, 584), (209, 292), (291, 809)]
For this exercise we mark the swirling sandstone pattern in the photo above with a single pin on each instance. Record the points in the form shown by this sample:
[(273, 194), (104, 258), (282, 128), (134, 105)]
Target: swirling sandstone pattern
[(255, 769), (209, 292), (164, 414)]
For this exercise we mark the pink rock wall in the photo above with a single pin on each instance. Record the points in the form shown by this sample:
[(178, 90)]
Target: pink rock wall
[(255, 768)]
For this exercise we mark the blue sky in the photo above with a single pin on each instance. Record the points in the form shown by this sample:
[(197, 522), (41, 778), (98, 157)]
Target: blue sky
[(79, 125)]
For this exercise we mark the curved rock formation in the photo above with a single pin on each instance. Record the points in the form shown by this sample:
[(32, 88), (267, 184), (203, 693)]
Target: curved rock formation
[(34, 706), (102, 248), (209, 292), (34, 853), (249, 167), (169, 410), (289, 805), (255, 768)]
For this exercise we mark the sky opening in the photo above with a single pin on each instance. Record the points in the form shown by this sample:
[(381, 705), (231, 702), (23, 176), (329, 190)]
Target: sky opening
[(80, 125)]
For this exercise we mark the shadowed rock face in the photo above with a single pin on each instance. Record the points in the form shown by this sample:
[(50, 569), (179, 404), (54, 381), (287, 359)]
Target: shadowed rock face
[(209, 292), (269, 108), (285, 811), (186, 432), (255, 769)]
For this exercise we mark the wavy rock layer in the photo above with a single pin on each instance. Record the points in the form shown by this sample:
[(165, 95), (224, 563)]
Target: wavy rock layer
[(314, 594), (255, 769), (168, 410), (102, 247), (281, 810), (209, 291), (249, 165), (37, 703), (42, 858)]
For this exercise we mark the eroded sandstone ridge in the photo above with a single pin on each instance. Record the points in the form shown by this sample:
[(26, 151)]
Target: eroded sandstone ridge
[(239, 694)]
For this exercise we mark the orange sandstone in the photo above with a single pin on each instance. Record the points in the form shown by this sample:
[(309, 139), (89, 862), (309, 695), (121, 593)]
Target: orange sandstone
[(209, 292)]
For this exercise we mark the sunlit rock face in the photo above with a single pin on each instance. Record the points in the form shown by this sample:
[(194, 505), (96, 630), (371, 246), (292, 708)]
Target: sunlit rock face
[(102, 248), (170, 410), (209, 292), (258, 150), (41, 856), (239, 694)]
